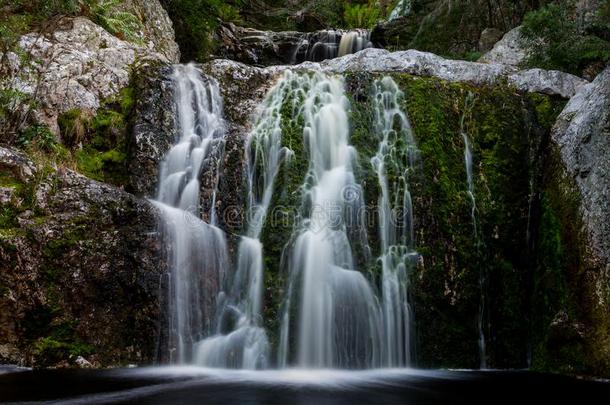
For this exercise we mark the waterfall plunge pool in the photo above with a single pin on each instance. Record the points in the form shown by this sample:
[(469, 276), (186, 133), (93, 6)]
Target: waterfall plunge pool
[(195, 385)]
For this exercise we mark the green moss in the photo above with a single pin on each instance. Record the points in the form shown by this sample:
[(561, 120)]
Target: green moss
[(565, 283), (127, 100), (103, 136), (50, 350), (282, 218), (446, 288), (546, 108), (8, 218)]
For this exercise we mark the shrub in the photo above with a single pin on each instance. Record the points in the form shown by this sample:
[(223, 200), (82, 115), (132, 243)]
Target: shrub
[(39, 137), (361, 15), (557, 41), (119, 23), (195, 21)]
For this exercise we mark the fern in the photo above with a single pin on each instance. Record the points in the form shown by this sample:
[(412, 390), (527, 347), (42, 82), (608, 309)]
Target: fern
[(361, 15), (119, 23)]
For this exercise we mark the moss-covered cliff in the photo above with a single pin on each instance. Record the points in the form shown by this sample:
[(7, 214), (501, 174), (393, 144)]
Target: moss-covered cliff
[(518, 258)]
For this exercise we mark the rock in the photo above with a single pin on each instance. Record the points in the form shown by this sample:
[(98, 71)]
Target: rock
[(77, 66), (6, 195), (447, 27), (81, 273), (154, 127), (582, 133), (508, 51), (488, 39), (429, 65), (158, 31), (416, 63), (551, 82), (251, 46), (586, 12), (82, 362), (17, 164), (244, 85)]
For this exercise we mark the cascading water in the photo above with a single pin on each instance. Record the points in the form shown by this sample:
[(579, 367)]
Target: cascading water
[(330, 44), (333, 315), (198, 251), (469, 179), (338, 322), (403, 8), (240, 341), (396, 154)]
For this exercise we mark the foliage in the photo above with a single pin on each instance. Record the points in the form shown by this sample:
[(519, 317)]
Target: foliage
[(39, 137), (559, 41), (23, 16), (120, 23), (99, 141), (195, 21), (14, 107), (361, 15)]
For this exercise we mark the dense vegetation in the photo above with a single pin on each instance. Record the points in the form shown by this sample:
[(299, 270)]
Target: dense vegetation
[(562, 38)]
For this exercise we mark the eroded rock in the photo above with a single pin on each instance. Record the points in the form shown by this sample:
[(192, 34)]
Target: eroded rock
[(154, 128), (550, 82)]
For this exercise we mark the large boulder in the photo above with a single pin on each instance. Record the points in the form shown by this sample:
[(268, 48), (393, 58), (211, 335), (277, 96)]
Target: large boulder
[(582, 133), (80, 64), (157, 30), (550, 82), (81, 269), (508, 51)]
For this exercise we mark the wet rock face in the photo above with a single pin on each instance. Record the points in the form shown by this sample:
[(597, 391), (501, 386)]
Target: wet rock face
[(81, 268), (242, 86), (154, 127), (254, 47), (582, 132)]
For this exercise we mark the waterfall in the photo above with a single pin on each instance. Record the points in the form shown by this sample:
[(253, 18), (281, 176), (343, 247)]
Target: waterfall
[(330, 306), (198, 250), (332, 315), (396, 153), (403, 8), (240, 341), (469, 179), (329, 44)]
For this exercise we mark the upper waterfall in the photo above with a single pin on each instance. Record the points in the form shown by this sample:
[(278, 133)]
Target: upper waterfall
[(329, 44)]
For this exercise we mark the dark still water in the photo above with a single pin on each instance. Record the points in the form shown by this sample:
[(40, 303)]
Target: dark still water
[(186, 385)]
